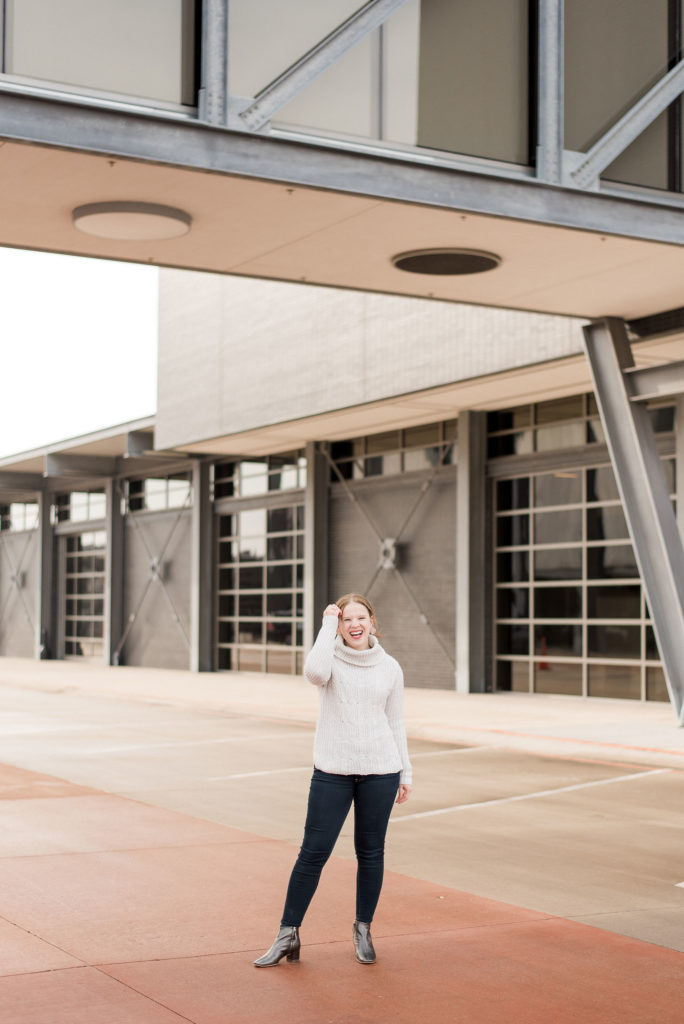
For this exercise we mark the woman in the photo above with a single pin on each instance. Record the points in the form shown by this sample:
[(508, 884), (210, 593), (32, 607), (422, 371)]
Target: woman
[(360, 757)]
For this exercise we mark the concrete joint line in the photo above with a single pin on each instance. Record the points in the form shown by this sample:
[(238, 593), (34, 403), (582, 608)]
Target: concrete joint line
[(531, 796)]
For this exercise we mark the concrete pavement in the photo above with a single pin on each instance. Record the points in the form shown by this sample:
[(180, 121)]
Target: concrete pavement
[(149, 821)]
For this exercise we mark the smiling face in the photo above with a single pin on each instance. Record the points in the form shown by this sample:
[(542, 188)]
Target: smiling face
[(355, 626)]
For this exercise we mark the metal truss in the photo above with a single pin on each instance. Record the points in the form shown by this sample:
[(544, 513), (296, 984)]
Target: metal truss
[(655, 536), (312, 64), (555, 164), (388, 545), (16, 575), (156, 574)]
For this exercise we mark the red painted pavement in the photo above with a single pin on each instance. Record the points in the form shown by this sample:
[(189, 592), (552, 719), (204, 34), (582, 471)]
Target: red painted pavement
[(113, 912)]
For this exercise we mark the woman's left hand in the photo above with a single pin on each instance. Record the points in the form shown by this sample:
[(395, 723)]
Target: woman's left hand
[(404, 793)]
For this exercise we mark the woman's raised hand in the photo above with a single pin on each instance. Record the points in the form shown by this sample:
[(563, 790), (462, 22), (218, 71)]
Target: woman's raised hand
[(332, 609)]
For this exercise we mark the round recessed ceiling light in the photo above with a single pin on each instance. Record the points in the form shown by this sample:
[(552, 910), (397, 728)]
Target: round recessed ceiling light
[(446, 261), (131, 222)]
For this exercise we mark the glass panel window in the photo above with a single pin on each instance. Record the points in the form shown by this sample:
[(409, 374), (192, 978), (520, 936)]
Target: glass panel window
[(250, 632), (558, 602), (280, 520), (84, 576), (561, 488), (513, 494), (656, 687), (602, 614), (562, 435), (250, 604), (279, 633), (652, 651), (279, 577), (513, 531), (265, 593), (556, 527), (612, 562), (606, 523), (509, 419), (513, 675), (623, 681), (614, 602), (280, 605), (251, 578), (595, 434), (513, 567), (614, 641), (558, 677), (558, 638), (558, 564), (513, 639), (512, 602), (517, 443), (601, 484)]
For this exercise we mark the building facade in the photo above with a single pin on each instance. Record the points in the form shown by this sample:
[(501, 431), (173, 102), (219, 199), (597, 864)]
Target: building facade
[(489, 197), (309, 442)]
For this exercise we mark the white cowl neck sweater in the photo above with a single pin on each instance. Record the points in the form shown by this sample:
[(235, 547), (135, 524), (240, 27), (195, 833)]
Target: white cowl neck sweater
[(360, 728)]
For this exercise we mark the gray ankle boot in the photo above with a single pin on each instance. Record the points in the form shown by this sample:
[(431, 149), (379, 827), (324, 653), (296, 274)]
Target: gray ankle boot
[(363, 944), (286, 944)]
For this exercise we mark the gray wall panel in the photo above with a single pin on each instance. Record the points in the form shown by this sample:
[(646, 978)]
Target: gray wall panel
[(155, 639), (427, 560), (19, 551)]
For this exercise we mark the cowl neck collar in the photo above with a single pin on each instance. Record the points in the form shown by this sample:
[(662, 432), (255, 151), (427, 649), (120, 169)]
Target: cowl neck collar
[(373, 655)]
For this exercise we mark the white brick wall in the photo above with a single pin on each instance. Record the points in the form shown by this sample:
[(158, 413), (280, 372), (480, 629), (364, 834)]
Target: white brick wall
[(237, 353)]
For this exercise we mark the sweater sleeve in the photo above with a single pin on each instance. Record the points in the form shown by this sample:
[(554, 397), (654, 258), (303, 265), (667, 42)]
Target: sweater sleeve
[(394, 709), (319, 661)]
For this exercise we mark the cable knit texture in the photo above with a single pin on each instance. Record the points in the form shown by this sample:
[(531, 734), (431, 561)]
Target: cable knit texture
[(360, 729)]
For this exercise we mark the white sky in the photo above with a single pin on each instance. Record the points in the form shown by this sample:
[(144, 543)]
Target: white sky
[(78, 349)]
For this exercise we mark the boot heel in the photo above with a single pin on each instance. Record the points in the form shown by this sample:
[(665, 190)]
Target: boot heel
[(286, 945)]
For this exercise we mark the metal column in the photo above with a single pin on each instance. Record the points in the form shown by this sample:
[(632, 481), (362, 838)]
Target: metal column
[(46, 637), (470, 553), (213, 93), (316, 595), (550, 88), (679, 462), (643, 489), (114, 571), (201, 589)]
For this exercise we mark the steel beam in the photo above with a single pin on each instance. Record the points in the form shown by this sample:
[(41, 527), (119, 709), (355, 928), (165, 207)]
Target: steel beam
[(152, 137), (679, 462), (201, 569), (629, 127), (316, 595), (23, 483), (212, 101), (550, 89), (318, 59), (83, 466), (657, 381), (644, 492), (470, 553)]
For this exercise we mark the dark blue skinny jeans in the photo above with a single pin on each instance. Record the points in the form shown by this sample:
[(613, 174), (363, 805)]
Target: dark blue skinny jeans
[(330, 798)]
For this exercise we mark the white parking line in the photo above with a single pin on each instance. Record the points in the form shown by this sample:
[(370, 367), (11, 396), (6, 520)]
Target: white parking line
[(186, 743), (309, 768), (451, 750), (253, 775), (528, 796)]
